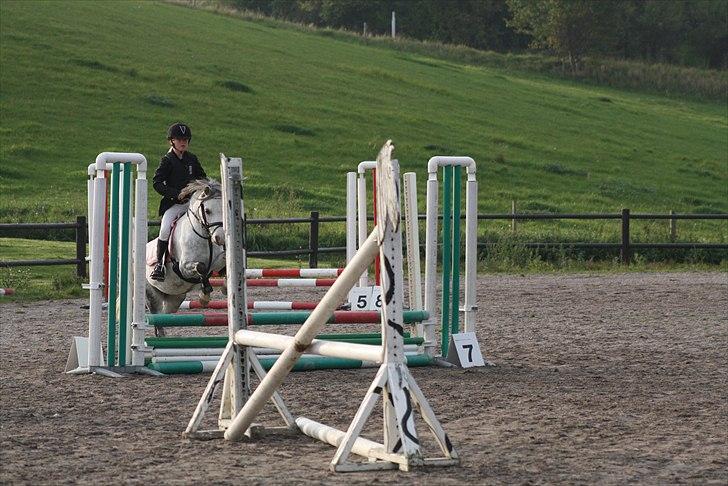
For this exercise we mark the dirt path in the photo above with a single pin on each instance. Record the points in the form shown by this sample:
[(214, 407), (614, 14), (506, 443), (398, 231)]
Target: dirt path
[(600, 379)]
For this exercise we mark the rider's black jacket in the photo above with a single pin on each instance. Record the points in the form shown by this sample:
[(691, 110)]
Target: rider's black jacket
[(173, 174)]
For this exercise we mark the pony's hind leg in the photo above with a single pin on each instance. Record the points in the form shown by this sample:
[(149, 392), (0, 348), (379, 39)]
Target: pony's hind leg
[(172, 303), (155, 305)]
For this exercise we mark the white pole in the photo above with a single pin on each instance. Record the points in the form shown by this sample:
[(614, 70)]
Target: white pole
[(96, 280), (90, 207), (362, 447), (413, 241), (333, 349), (333, 298), (431, 262), (140, 256), (361, 202), (351, 231), (394, 25), (471, 251), (232, 175)]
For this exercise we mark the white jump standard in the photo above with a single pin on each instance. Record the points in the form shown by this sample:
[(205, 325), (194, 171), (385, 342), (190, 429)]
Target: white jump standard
[(401, 446), (128, 244)]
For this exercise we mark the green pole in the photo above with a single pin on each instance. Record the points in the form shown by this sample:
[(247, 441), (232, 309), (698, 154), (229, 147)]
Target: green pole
[(113, 265), (258, 319), (124, 260), (446, 256), (221, 341), (176, 320), (455, 299)]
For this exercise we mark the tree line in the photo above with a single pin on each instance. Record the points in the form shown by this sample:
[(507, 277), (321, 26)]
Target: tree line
[(685, 32)]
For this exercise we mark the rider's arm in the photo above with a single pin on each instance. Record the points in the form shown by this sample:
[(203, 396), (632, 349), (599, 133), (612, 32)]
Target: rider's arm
[(199, 171), (159, 182)]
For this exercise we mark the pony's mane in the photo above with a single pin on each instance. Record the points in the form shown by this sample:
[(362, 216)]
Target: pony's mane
[(199, 185)]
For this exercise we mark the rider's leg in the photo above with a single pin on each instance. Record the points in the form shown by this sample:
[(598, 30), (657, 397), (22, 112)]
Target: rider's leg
[(158, 272), (164, 233)]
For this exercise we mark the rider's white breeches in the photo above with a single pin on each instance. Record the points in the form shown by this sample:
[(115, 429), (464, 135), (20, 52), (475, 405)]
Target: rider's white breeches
[(169, 216)]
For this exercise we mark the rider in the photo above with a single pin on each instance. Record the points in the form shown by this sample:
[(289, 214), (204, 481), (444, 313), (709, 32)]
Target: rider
[(177, 168)]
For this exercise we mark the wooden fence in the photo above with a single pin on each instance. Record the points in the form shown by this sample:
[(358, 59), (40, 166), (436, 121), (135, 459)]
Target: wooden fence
[(313, 250)]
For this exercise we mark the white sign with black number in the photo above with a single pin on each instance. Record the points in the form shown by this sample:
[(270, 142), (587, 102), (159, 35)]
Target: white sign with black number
[(366, 298), (464, 350), (376, 301)]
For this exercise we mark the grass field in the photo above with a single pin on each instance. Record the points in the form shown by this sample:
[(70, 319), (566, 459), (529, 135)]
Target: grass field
[(303, 108)]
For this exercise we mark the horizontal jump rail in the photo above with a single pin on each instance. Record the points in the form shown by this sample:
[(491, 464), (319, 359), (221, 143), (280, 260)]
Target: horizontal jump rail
[(252, 305), (275, 318), (280, 282), (216, 347), (307, 363), (208, 354), (293, 272), (221, 341)]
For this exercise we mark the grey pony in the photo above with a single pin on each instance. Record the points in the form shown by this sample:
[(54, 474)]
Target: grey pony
[(198, 246)]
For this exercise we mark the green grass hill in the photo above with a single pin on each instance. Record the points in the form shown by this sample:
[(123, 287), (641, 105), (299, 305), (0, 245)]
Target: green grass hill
[(303, 108)]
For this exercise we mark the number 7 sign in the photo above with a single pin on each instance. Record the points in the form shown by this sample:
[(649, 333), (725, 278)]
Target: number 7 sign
[(464, 350)]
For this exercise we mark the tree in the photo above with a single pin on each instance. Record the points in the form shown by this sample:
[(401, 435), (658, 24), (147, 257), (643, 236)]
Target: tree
[(570, 28)]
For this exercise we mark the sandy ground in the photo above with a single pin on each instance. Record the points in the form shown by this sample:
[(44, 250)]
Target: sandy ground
[(599, 379)]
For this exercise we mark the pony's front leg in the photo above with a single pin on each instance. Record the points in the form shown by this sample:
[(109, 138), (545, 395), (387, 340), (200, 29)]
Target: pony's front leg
[(198, 271)]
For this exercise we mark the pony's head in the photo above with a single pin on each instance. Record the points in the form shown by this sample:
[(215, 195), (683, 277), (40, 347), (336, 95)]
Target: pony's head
[(206, 208)]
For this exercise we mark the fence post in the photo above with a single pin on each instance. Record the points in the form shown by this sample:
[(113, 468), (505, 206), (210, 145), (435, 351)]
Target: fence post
[(513, 212), (313, 240), (624, 253), (673, 226), (81, 238)]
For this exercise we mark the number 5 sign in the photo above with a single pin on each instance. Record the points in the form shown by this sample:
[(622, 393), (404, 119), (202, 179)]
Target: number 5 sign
[(366, 298), (464, 350)]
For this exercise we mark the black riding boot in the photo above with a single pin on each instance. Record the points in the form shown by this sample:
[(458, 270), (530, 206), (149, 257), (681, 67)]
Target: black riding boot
[(158, 272)]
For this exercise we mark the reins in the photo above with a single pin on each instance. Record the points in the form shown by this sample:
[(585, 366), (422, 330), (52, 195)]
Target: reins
[(209, 228)]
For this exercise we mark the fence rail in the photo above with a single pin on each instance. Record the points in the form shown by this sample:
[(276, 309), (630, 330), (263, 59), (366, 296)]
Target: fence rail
[(313, 250)]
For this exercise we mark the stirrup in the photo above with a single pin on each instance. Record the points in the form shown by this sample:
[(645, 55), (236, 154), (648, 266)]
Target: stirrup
[(158, 272)]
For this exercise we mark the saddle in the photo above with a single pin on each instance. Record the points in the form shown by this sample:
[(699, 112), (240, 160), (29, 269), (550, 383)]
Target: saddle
[(152, 247)]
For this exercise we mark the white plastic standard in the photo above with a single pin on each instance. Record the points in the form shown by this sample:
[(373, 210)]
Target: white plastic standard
[(471, 225), (96, 284)]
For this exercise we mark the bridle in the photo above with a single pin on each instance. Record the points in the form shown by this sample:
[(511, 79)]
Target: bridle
[(207, 228)]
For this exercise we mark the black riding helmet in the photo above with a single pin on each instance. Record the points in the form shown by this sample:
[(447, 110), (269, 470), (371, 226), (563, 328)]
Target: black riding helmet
[(179, 131)]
